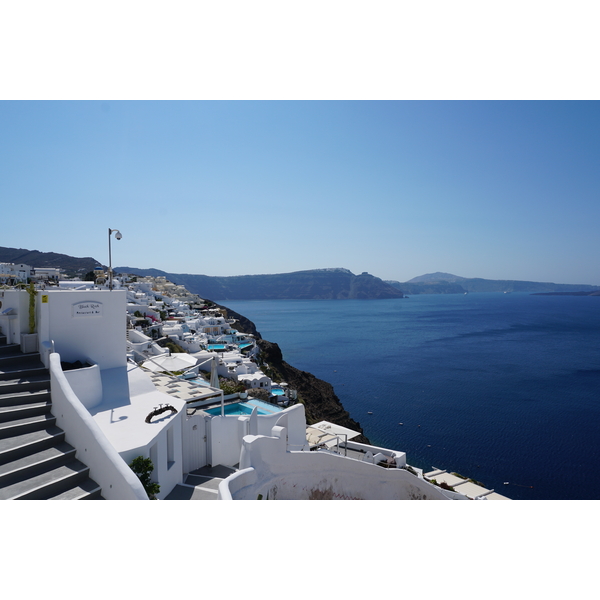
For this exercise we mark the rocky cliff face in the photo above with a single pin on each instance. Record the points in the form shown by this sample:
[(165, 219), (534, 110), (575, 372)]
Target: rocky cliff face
[(243, 325), (318, 397)]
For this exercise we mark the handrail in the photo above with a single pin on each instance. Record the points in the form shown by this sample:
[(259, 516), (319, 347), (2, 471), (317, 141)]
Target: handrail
[(337, 437)]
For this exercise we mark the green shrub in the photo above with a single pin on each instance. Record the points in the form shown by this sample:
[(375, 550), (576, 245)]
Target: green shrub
[(174, 348), (31, 291), (142, 467)]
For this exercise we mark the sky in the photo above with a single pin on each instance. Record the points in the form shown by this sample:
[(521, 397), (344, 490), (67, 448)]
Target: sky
[(492, 189), (400, 141)]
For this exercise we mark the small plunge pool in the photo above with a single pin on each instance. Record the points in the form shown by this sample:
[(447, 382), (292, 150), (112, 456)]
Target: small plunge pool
[(245, 408), (216, 347)]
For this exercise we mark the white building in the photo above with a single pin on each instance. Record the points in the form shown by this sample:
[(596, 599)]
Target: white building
[(112, 411), (46, 274), (11, 274)]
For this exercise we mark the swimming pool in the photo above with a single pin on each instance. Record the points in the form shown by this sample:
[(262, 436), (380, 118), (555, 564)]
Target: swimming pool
[(196, 380), (245, 408), (265, 406), (277, 391), (216, 347)]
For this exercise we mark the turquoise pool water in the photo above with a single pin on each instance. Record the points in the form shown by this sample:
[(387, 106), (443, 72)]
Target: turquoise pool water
[(216, 346), (265, 406), (277, 391), (233, 409), (245, 408), (198, 381)]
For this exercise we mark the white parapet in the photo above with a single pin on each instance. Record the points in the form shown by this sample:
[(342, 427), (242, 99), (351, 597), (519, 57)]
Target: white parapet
[(270, 470), (107, 468)]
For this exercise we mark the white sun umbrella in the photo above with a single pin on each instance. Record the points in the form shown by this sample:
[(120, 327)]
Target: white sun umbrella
[(174, 362)]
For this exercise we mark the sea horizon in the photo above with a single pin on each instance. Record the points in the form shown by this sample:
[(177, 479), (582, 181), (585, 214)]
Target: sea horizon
[(500, 388)]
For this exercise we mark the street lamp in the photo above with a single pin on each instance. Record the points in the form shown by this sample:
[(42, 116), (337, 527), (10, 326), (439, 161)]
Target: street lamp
[(110, 275)]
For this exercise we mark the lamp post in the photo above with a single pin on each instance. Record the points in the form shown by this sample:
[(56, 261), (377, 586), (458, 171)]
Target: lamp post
[(110, 275)]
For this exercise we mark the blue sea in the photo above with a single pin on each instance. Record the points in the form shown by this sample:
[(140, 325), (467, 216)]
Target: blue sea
[(502, 388)]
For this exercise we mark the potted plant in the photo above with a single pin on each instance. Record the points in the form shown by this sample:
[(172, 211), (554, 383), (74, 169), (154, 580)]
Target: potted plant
[(29, 341)]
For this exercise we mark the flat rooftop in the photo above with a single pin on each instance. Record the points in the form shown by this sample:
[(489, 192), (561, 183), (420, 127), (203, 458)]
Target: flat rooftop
[(463, 486), (128, 398), (183, 389)]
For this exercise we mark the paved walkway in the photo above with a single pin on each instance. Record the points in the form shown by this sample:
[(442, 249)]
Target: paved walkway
[(201, 484)]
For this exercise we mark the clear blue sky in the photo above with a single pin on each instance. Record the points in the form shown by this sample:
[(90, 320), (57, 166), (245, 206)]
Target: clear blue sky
[(500, 190)]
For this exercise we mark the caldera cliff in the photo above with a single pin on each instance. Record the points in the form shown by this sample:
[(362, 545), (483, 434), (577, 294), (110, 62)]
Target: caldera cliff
[(318, 396)]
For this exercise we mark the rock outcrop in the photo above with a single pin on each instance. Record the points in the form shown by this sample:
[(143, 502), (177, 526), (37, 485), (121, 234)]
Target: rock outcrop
[(318, 397)]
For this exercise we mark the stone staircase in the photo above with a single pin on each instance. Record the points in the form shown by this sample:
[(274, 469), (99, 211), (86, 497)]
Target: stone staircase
[(35, 461)]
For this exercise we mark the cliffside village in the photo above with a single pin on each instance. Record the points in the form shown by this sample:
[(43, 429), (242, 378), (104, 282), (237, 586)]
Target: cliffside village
[(127, 387)]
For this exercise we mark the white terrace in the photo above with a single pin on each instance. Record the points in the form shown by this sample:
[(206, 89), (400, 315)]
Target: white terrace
[(112, 411)]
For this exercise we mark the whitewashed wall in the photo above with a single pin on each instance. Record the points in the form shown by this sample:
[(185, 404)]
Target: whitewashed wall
[(87, 385), (167, 473), (269, 470), (227, 432), (107, 468), (96, 335)]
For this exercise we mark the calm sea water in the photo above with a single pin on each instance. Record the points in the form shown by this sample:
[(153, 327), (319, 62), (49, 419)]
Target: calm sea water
[(497, 387)]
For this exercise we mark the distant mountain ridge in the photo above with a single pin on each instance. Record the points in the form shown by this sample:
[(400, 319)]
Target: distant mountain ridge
[(446, 283), (34, 258), (315, 284), (328, 283), (436, 277)]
